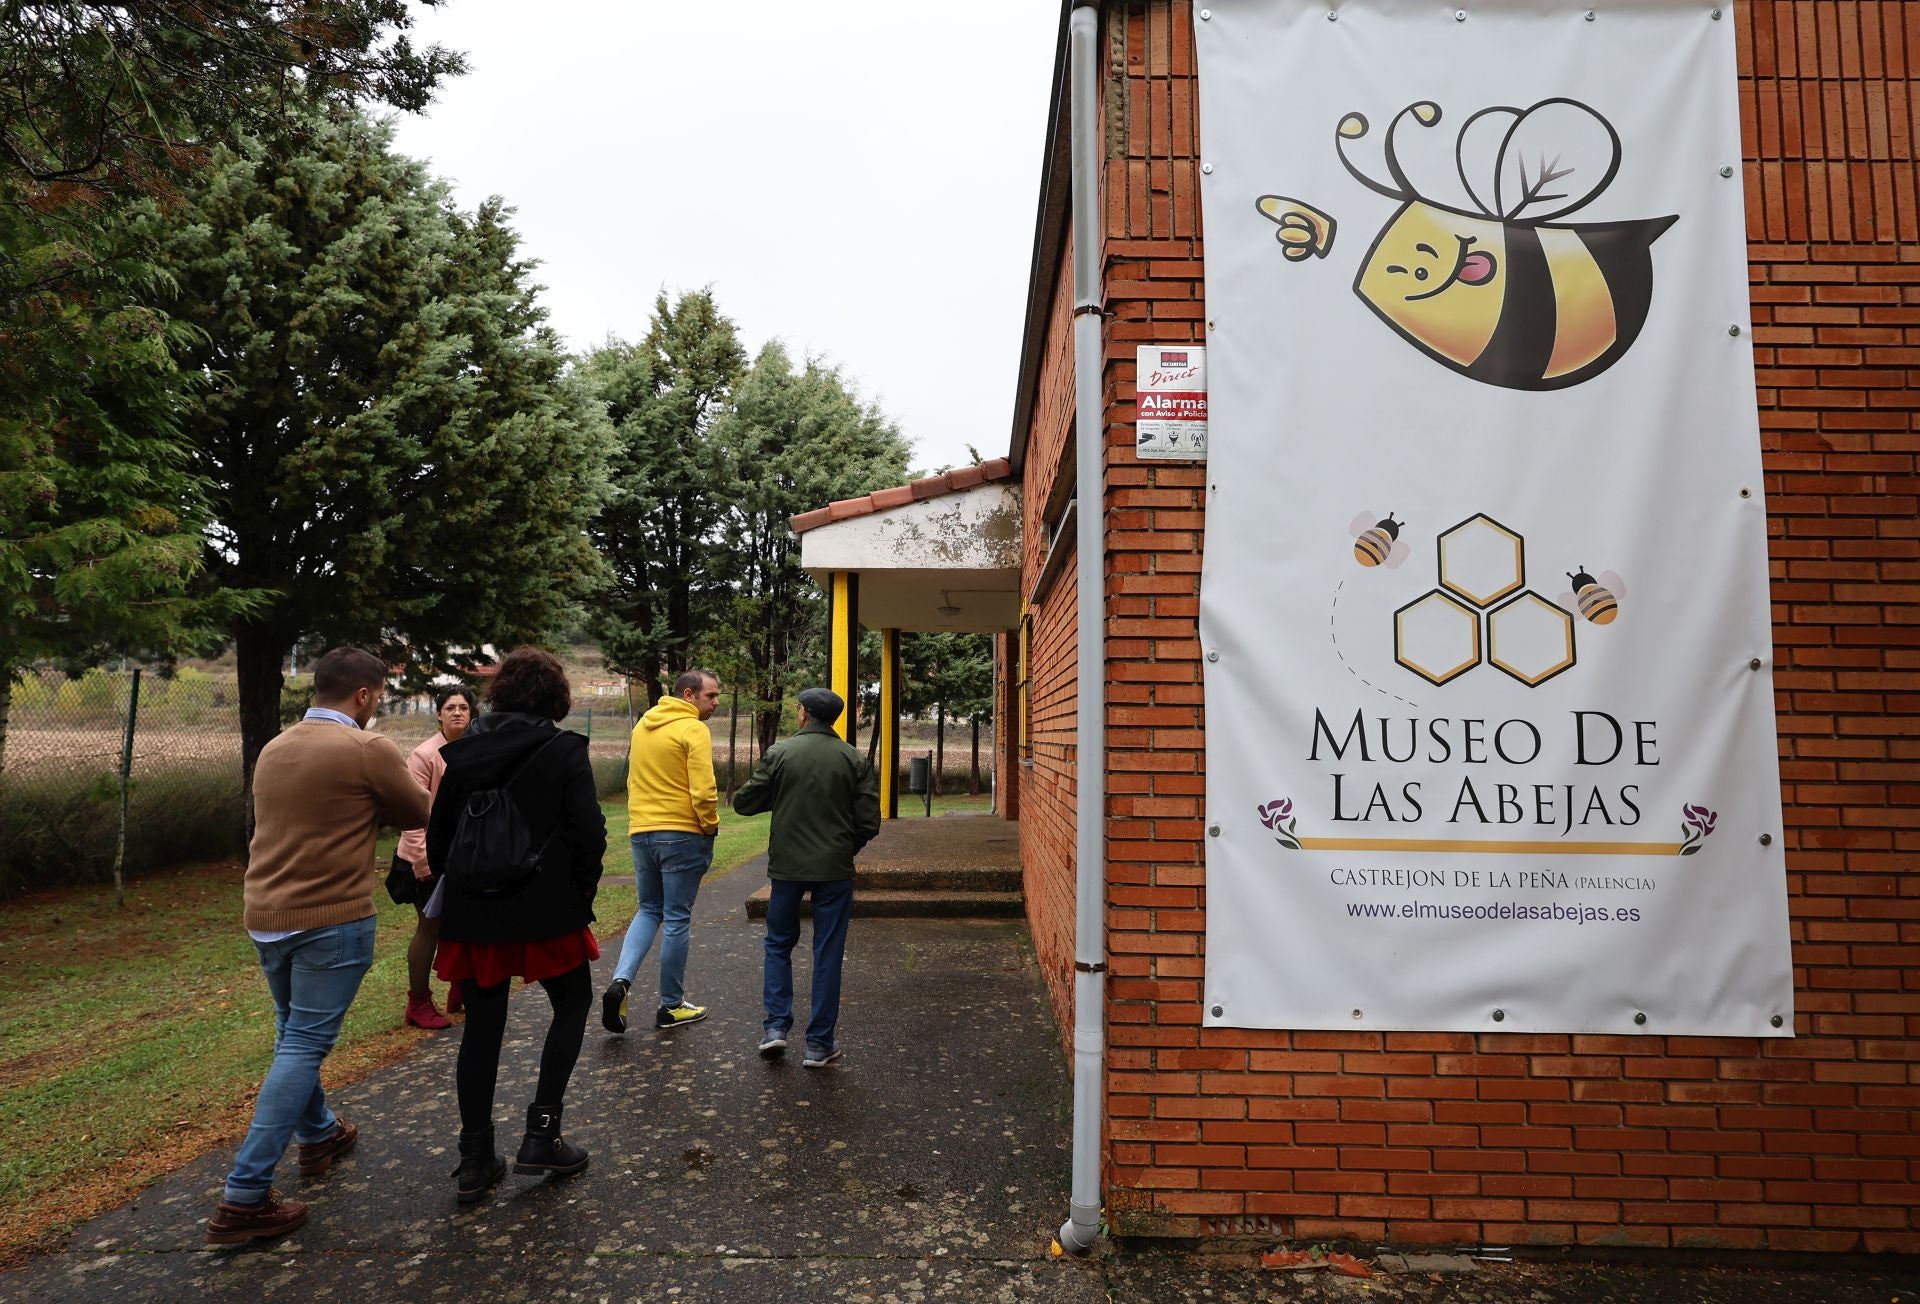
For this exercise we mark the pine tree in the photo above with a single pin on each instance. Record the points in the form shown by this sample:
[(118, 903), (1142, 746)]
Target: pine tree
[(952, 676), (395, 450), (793, 441), (100, 105), (122, 96), (668, 485), (100, 516)]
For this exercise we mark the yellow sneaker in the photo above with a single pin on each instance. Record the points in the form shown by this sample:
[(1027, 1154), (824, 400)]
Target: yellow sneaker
[(613, 1007), (679, 1016)]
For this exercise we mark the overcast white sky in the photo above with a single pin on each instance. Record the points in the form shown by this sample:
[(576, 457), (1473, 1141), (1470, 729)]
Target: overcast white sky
[(856, 178)]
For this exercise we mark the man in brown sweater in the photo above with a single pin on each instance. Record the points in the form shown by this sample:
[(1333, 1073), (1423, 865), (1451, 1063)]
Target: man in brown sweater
[(321, 791)]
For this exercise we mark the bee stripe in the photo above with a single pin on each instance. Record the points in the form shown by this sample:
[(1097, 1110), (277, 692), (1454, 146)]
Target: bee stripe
[(1597, 605), (1584, 322), (1522, 344), (1623, 252)]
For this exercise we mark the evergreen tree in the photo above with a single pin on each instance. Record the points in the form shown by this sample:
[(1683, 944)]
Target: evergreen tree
[(100, 513), (950, 675), (123, 95), (100, 516), (793, 440), (668, 485), (395, 451)]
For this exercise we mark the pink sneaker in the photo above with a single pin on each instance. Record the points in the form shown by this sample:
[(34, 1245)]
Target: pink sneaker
[(422, 1013)]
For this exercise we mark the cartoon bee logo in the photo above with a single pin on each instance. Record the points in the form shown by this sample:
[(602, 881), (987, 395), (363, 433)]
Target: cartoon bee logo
[(1596, 599), (1494, 287), (1376, 542)]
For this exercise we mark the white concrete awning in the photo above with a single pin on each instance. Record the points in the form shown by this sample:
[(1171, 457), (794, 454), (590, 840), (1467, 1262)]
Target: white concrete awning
[(939, 554)]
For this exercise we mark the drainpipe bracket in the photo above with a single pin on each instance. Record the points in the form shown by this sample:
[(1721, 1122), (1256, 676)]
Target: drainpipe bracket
[(1082, 966)]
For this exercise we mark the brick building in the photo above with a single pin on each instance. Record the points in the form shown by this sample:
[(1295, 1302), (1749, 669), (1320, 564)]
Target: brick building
[(1724, 1143), (1732, 1143)]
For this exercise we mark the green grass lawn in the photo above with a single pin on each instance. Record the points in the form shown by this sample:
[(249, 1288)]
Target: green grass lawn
[(133, 1039), (913, 806)]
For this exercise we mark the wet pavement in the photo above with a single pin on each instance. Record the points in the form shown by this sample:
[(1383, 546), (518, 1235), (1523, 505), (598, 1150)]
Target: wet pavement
[(930, 1165)]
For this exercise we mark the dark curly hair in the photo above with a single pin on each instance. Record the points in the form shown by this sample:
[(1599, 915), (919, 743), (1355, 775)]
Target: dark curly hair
[(532, 681), (445, 695)]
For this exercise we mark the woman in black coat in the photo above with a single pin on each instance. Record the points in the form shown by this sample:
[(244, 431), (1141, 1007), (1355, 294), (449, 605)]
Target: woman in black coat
[(535, 929)]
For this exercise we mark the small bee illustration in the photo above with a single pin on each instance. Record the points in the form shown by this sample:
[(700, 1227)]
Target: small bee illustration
[(1376, 542), (1596, 599), (1495, 288)]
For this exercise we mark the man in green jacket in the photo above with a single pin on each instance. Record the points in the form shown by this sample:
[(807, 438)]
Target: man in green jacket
[(826, 806)]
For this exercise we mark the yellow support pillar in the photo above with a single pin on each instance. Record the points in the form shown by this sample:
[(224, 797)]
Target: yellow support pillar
[(843, 645), (890, 724)]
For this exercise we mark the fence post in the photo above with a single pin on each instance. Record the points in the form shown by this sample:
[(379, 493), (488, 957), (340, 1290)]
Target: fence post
[(126, 776), (626, 763)]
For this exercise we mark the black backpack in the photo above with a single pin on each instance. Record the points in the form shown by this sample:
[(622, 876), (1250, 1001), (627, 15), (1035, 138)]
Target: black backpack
[(492, 852)]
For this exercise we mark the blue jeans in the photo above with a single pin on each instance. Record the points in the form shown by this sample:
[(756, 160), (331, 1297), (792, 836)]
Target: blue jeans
[(832, 906), (667, 868), (314, 977)]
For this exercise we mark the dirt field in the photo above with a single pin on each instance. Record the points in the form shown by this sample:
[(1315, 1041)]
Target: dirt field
[(97, 749)]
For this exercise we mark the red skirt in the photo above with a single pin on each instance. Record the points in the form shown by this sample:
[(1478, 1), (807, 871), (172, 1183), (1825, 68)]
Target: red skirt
[(491, 963)]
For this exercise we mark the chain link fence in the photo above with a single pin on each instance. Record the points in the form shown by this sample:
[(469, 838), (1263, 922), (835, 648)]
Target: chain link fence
[(95, 778), (606, 718), (96, 782), (120, 772)]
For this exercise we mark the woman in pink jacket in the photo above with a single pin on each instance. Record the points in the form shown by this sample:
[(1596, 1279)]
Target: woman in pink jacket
[(454, 707)]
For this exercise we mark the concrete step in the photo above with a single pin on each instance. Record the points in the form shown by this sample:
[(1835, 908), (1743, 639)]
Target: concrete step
[(883, 904), (986, 879)]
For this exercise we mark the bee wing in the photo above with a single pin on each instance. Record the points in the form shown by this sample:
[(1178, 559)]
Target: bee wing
[(1570, 602), (1612, 583), (1476, 154), (1396, 554), (1361, 524), (1555, 158)]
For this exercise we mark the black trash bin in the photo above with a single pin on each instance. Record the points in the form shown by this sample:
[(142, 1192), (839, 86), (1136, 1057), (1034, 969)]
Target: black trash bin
[(919, 771)]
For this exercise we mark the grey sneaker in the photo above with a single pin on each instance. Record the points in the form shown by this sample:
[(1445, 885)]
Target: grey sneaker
[(818, 1057), (773, 1043)]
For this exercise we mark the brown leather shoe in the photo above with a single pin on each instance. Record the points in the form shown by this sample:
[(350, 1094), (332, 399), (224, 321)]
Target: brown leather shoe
[(237, 1224), (317, 1158)]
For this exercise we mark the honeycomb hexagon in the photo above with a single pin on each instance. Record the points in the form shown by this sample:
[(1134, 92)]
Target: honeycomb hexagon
[(1530, 638), (1436, 637), (1482, 560)]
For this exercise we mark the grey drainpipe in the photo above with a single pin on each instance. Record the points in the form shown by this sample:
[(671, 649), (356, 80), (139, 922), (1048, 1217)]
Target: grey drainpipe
[(1082, 1227)]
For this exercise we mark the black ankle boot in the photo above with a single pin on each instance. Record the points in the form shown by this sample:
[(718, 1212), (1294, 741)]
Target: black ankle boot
[(543, 1149), (480, 1166)]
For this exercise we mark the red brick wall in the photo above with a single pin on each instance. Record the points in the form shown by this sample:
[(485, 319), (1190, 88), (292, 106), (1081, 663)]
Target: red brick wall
[(1047, 782), (1646, 1141)]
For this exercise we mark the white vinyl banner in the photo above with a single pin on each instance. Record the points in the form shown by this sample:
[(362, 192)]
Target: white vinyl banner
[(1490, 732)]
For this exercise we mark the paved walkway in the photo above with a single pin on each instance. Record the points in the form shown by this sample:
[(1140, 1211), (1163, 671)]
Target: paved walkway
[(931, 1162), (931, 1165)]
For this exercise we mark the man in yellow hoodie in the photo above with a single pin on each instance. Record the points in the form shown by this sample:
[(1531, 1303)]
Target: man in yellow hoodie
[(673, 813)]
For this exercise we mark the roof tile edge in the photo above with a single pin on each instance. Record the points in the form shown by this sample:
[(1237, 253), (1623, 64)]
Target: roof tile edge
[(880, 500)]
